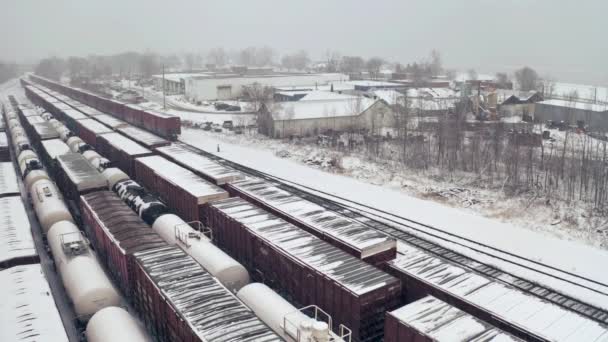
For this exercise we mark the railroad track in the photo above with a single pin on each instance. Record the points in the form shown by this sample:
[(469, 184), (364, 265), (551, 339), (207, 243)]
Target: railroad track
[(393, 225)]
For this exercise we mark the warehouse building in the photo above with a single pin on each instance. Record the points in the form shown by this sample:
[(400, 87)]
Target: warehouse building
[(231, 86), (594, 116), (174, 83), (320, 112)]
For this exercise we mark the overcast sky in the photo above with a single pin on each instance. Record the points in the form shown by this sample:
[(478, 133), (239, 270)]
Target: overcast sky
[(562, 38)]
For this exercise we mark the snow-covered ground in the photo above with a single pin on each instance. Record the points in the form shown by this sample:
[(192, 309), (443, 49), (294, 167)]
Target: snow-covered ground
[(400, 194)]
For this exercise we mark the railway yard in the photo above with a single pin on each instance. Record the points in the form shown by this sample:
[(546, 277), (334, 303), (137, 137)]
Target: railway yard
[(116, 229)]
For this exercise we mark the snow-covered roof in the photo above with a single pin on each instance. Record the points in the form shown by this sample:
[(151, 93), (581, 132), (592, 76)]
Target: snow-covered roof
[(90, 111), (220, 174), (583, 91), (94, 126), (183, 178), (8, 179), (16, 240), (443, 322), (465, 76), (45, 130), (393, 97), (327, 95), (524, 310), (74, 114), (81, 172), (352, 233), (143, 137), (120, 142), (576, 105), (297, 110), (3, 139), (209, 308), (110, 120), (27, 308), (34, 119), (55, 147), (353, 274)]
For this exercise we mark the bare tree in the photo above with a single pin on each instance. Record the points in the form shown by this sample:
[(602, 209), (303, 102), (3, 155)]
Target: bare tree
[(298, 60), (472, 74), (149, 64), (502, 80), (435, 64), (332, 59), (351, 64), (51, 68), (218, 56), (373, 66), (527, 78)]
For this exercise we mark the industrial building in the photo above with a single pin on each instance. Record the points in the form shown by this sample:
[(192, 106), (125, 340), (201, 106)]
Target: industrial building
[(231, 86), (319, 112), (594, 116)]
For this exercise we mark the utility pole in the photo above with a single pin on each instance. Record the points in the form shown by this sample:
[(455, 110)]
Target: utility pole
[(164, 101)]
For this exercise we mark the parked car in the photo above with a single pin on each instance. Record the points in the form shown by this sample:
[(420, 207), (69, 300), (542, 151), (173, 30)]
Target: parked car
[(207, 126), (221, 106), (228, 125)]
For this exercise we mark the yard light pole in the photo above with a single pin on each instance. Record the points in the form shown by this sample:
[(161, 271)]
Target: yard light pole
[(164, 101)]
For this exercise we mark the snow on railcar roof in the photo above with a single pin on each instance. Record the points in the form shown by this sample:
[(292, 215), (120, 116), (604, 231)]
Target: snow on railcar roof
[(55, 147), (176, 274), (74, 114), (528, 312), (87, 110), (143, 136), (352, 273), (444, 322), (34, 119), (125, 144), (94, 126), (8, 180), (181, 177), (27, 112), (45, 130), (109, 120), (349, 231), (16, 240), (81, 172), (3, 139), (28, 310), (189, 159)]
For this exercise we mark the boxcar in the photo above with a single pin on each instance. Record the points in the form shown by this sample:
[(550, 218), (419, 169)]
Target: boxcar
[(89, 129), (180, 302), (17, 245), (8, 179), (308, 269), (50, 150), (110, 121), (87, 110), (145, 138), (522, 314), (122, 151), (431, 320), (350, 235), (209, 169), (44, 131), (4, 147), (71, 116), (76, 176), (117, 233), (185, 192)]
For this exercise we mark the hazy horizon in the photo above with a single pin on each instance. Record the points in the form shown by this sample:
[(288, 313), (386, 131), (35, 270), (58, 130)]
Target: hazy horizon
[(557, 38)]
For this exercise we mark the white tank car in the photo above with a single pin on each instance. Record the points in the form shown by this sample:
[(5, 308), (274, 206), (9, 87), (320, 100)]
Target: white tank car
[(114, 175), (55, 123), (73, 143), (282, 317), (219, 264), (33, 176), (64, 133), (116, 325), (100, 163), (10, 114), (14, 122), (48, 204), (47, 116), (25, 157), (17, 132), (90, 155), (21, 143), (84, 280)]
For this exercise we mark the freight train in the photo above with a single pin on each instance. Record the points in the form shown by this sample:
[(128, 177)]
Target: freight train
[(120, 236), (421, 272)]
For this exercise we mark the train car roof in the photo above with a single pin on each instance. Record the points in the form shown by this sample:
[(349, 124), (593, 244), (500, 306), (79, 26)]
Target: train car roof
[(142, 136), (110, 120), (8, 180), (74, 114), (45, 130), (125, 144), (94, 126), (349, 231), (355, 275), (196, 296), (55, 147), (523, 310), (181, 177), (81, 172), (3, 139), (16, 240), (194, 161), (29, 312)]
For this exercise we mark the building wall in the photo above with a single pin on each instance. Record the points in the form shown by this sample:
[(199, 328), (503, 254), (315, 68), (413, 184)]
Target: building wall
[(203, 89), (594, 120), (378, 118), (516, 109)]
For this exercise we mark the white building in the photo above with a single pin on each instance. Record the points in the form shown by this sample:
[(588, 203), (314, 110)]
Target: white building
[(230, 86)]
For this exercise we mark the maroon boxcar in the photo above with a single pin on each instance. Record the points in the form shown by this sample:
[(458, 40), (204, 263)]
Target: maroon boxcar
[(89, 129), (431, 320), (308, 269), (75, 176), (184, 192), (350, 235), (117, 233), (180, 302), (122, 151), (145, 138)]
